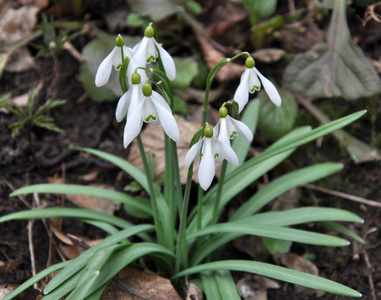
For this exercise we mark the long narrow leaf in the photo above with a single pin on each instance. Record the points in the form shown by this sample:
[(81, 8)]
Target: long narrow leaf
[(276, 272), (78, 263), (85, 190), (226, 285), (210, 285), (343, 230), (130, 169), (283, 184), (275, 232)]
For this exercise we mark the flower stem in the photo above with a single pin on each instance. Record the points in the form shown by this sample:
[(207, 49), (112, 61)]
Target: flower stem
[(181, 251), (151, 188), (200, 198), (219, 193)]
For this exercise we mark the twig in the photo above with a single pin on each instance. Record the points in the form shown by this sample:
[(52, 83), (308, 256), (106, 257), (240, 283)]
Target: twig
[(370, 277), (12, 188), (31, 246), (342, 195), (73, 51)]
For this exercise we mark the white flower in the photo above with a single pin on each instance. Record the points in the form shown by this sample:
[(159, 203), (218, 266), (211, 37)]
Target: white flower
[(250, 82), (129, 101), (227, 128), (113, 59), (211, 150), (151, 108), (147, 50)]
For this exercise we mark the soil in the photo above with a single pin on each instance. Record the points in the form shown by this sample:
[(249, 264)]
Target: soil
[(86, 123)]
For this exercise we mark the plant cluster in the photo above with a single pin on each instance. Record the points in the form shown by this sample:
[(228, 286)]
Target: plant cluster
[(180, 242)]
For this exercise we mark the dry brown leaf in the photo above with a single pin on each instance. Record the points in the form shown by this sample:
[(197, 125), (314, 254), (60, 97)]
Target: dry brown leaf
[(95, 203), (296, 262), (269, 55), (153, 140), (29, 294), (253, 246), (194, 292), (19, 60), (131, 284), (8, 266), (199, 95), (212, 56), (254, 287)]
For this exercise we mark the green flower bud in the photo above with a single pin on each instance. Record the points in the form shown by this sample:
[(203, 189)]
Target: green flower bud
[(249, 63), (147, 89), (223, 112), (149, 32), (119, 41), (136, 79), (208, 131)]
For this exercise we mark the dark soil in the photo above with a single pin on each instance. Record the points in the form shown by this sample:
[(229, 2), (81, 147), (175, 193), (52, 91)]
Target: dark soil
[(86, 123)]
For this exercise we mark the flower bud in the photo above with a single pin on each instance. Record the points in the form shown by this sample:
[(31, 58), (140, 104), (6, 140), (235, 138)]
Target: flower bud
[(147, 90), (119, 41), (223, 112), (208, 131), (249, 63), (136, 79), (149, 32)]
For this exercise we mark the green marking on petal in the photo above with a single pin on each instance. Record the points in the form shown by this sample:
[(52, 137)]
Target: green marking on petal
[(255, 88), (151, 58), (150, 117), (216, 155), (234, 133)]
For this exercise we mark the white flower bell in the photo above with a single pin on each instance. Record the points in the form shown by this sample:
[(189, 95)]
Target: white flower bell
[(211, 150), (228, 127), (150, 108), (250, 82), (146, 51), (113, 59)]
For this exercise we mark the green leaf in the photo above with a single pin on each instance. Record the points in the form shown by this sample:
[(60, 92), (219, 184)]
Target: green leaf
[(85, 190), (342, 229), (337, 68), (209, 283), (130, 169), (276, 272), (186, 70), (276, 245), (156, 10), (31, 97), (226, 286), (49, 126), (134, 20), (274, 121), (282, 233), (78, 263)]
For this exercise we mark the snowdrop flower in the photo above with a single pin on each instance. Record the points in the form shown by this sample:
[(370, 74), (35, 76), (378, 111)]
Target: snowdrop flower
[(227, 128), (113, 59), (250, 82), (146, 51), (151, 108), (128, 102), (211, 150)]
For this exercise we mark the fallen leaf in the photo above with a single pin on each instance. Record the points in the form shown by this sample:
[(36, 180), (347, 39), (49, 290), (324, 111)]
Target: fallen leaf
[(298, 263), (132, 284), (8, 266), (29, 294), (199, 95), (268, 55), (212, 56), (337, 68), (153, 140), (194, 292), (157, 10), (254, 287), (95, 203), (253, 246), (20, 60)]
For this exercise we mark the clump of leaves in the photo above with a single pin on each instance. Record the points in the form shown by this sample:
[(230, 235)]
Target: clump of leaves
[(52, 41), (33, 117)]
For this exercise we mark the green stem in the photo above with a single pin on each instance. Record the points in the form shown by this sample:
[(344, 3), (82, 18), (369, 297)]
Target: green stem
[(181, 251), (176, 175), (151, 188), (169, 194), (200, 198), (219, 193)]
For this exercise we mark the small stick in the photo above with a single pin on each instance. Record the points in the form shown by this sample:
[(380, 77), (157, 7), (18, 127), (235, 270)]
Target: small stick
[(370, 277), (12, 188), (342, 195)]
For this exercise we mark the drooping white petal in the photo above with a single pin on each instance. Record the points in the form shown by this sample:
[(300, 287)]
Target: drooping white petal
[(151, 51), (223, 134), (136, 97), (140, 55), (270, 89), (168, 63), (241, 95), (206, 169), (133, 125), (165, 115), (232, 132), (104, 69), (227, 152), (192, 153), (242, 128), (123, 104), (253, 81)]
